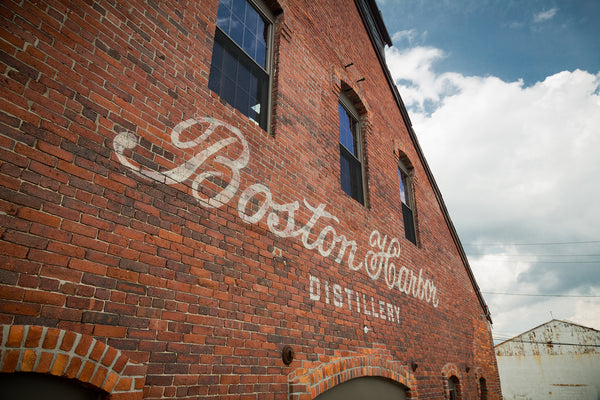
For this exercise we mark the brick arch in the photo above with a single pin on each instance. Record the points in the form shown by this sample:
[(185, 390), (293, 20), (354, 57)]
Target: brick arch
[(449, 370), (306, 384), (479, 374), (62, 353)]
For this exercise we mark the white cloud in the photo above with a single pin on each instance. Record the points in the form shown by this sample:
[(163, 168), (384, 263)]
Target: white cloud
[(408, 35), (418, 83), (545, 15), (515, 164)]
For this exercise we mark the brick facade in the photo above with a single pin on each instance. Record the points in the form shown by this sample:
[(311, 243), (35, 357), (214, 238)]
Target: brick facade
[(157, 243)]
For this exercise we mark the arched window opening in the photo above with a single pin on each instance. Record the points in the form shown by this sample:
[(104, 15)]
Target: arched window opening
[(365, 388), (482, 389), (453, 388), (407, 199), (352, 178), (27, 386)]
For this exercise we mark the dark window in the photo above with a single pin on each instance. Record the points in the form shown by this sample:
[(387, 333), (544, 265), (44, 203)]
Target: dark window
[(351, 174), (240, 66), (406, 197), (482, 389), (27, 386), (452, 387)]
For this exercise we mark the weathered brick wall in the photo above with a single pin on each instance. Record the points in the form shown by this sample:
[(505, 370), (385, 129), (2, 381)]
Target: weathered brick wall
[(203, 294)]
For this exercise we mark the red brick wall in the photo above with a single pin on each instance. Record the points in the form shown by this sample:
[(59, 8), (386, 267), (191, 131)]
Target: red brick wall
[(96, 243)]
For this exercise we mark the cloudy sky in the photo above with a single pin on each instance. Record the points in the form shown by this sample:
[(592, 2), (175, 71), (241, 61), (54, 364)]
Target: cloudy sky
[(505, 99)]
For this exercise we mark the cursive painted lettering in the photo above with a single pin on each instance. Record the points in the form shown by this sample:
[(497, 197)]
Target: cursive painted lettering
[(256, 203)]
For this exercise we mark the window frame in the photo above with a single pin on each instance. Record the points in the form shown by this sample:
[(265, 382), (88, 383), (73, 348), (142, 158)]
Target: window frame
[(227, 42), (408, 185), (358, 156)]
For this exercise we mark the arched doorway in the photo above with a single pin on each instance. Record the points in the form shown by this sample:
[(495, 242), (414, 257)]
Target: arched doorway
[(27, 386), (364, 388), (47, 353)]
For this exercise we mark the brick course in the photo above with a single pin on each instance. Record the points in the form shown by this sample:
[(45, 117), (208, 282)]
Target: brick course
[(134, 285)]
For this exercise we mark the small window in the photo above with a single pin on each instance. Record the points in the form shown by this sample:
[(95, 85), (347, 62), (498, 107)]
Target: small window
[(241, 59), (407, 199), (351, 170), (482, 389), (453, 388)]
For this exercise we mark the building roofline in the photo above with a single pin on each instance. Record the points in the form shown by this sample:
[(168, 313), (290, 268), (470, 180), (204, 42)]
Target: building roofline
[(379, 21), (382, 30), (545, 323)]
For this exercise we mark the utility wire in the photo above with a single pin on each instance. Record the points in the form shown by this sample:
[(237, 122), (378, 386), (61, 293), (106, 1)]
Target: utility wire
[(534, 255), (547, 262), (531, 244), (515, 340), (538, 295)]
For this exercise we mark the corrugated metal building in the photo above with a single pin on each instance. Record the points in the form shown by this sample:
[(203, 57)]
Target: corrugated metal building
[(557, 360)]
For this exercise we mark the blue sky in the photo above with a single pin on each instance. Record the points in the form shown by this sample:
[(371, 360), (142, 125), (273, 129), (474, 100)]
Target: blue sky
[(504, 97), (509, 39)]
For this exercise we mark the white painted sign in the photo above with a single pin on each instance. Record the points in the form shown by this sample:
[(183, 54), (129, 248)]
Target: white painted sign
[(333, 293), (377, 261)]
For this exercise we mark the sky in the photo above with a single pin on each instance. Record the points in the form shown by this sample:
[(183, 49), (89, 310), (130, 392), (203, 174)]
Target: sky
[(504, 97)]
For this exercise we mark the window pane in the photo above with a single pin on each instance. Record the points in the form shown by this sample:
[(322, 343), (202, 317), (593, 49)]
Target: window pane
[(228, 90), (238, 80), (230, 65), (245, 26), (239, 8), (261, 97), (409, 224), (242, 102), (224, 15), (357, 188), (401, 180), (250, 44), (236, 30), (261, 53), (256, 35), (251, 22), (345, 175), (346, 125), (351, 175)]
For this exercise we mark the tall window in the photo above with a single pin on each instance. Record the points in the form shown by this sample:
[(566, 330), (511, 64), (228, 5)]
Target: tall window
[(482, 389), (350, 151), (241, 59), (453, 388), (407, 198)]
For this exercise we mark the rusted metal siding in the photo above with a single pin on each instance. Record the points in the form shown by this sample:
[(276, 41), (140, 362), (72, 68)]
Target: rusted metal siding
[(557, 360)]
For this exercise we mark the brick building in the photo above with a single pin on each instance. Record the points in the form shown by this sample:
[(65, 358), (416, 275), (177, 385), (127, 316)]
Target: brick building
[(222, 199)]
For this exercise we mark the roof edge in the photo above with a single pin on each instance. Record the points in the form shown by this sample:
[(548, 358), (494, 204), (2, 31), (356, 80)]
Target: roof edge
[(376, 15), (545, 323)]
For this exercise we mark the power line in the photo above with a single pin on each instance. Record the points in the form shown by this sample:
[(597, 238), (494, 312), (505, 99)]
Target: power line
[(534, 255), (531, 244), (539, 295), (515, 340), (548, 262)]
